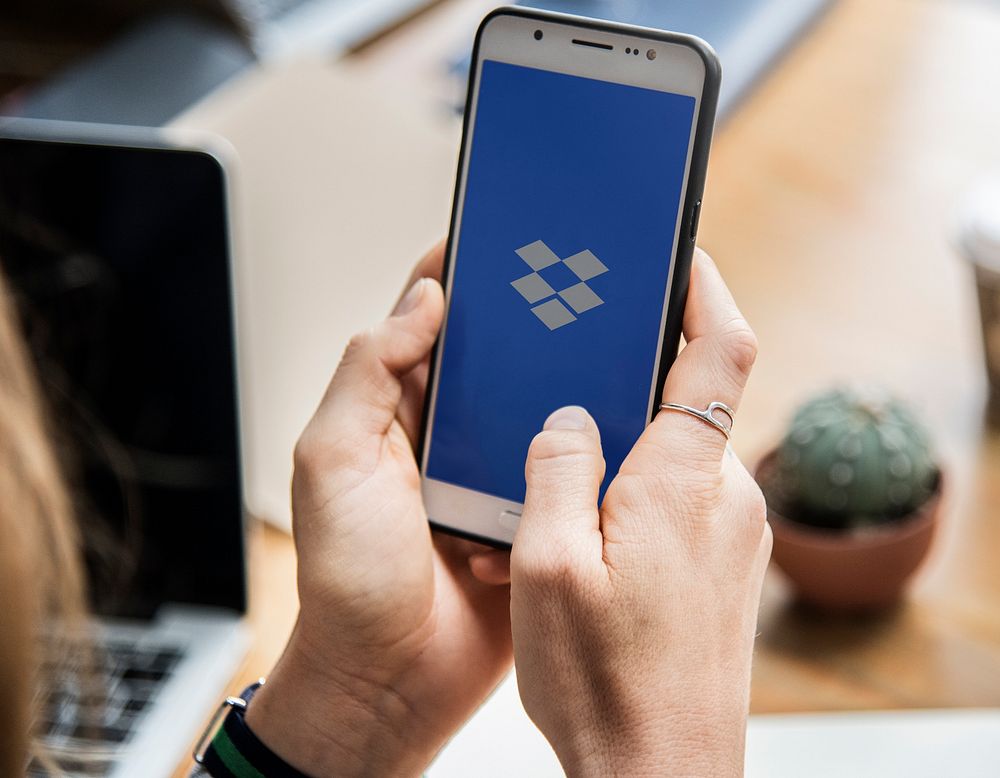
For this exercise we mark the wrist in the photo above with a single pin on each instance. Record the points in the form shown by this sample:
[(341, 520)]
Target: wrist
[(324, 720), (679, 741)]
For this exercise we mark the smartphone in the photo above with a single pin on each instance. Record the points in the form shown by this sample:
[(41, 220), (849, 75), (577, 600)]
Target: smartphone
[(566, 270)]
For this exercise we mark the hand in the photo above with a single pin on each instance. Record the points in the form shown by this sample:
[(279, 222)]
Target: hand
[(401, 635), (634, 624)]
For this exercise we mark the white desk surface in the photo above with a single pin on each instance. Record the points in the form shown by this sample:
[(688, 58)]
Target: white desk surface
[(501, 741)]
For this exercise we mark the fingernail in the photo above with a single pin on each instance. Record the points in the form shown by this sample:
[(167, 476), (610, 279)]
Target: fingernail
[(572, 417), (411, 299)]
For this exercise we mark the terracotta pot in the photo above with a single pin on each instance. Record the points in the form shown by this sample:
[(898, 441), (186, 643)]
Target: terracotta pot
[(862, 569)]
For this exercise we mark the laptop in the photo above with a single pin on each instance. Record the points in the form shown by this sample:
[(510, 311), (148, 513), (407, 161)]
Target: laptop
[(116, 247), (282, 29), (748, 35), (170, 60)]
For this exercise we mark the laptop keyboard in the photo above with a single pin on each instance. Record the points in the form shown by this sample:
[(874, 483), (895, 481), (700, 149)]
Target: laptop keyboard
[(83, 731)]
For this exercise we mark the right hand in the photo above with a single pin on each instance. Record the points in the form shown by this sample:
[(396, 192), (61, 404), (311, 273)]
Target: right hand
[(634, 623)]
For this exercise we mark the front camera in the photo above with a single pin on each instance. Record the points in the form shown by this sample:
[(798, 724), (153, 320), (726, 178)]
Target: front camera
[(651, 54), (538, 35)]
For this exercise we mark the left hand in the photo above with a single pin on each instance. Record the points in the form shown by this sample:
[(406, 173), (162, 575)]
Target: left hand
[(401, 634)]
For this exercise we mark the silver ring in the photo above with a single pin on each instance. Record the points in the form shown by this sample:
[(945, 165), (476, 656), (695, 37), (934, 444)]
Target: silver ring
[(707, 415)]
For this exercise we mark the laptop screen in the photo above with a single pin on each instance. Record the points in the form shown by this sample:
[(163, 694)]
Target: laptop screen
[(118, 263)]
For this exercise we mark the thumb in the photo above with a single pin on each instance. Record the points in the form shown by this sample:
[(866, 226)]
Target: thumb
[(563, 472), (364, 394)]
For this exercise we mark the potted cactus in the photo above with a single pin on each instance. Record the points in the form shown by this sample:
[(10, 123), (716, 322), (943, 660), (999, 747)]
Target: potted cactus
[(853, 495)]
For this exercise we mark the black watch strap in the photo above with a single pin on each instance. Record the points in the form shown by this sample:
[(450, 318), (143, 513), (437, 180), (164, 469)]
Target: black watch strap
[(236, 752)]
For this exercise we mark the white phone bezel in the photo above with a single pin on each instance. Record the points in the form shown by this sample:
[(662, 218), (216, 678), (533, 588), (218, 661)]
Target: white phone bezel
[(510, 38)]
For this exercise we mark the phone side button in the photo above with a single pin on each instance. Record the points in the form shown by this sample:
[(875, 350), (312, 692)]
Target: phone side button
[(509, 520), (695, 216)]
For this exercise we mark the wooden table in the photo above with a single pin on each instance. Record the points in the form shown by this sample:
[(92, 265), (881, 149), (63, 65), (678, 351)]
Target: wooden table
[(829, 208)]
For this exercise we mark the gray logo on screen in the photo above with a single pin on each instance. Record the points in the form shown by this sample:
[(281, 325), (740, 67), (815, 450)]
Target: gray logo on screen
[(559, 307)]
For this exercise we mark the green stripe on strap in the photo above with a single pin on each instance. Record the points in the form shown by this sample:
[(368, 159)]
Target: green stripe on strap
[(234, 761)]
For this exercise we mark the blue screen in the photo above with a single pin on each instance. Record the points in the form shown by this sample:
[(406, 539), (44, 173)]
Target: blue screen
[(567, 228)]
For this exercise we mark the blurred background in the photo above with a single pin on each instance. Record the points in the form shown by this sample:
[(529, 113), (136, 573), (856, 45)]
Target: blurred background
[(852, 204)]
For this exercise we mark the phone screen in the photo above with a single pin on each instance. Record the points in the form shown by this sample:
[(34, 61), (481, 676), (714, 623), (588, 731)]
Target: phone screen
[(568, 224)]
